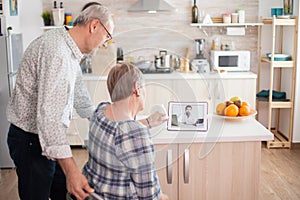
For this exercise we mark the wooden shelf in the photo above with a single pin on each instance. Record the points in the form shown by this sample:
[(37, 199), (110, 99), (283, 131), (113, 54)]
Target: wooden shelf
[(278, 41), (226, 25), (280, 141), (279, 22), (277, 104), (53, 27), (276, 64)]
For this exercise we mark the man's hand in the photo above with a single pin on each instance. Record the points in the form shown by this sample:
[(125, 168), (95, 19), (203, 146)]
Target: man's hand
[(77, 184), (164, 197)]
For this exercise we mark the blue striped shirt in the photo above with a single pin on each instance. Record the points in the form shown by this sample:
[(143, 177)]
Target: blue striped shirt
[(121, 159)]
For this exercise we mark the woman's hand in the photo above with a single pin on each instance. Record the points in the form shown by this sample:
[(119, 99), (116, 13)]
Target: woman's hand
[(156, 119)]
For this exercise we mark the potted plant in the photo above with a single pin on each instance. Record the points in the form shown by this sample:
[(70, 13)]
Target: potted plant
[(46, 15)]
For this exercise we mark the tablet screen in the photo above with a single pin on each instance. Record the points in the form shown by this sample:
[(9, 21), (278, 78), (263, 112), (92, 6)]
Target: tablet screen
[(188, 116)]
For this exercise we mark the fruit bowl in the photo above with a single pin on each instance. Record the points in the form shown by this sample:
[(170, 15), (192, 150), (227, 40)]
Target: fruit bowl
[(252, 113)]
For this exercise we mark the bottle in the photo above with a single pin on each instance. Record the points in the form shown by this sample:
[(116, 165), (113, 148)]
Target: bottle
[(120, 55), (195, 13), (213, 45), (61, 5), (54, 5)]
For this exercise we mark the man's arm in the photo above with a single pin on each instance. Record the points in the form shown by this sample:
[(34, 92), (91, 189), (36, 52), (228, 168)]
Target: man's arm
[(82, 100)]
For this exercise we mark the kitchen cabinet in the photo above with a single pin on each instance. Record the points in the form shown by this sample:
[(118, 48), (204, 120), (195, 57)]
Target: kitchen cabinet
[(199, 171), (282, 75), (166, 165)]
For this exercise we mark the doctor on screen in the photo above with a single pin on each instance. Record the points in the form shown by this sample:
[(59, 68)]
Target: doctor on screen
[(187, 117)]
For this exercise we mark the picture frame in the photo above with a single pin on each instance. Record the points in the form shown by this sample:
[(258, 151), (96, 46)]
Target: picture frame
[(288, 7), (188, 116), (13, 7)]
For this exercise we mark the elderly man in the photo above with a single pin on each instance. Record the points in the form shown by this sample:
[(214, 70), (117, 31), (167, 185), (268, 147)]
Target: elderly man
[(48, 86)]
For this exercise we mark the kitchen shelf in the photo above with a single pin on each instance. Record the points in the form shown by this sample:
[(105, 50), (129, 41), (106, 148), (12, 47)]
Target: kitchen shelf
[(280, 22), (277, 64), (278, 40), (53, 27), (200, 25), (278, 104)]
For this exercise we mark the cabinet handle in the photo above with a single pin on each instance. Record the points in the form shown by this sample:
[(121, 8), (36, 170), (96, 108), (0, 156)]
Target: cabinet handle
[(169, 167), (210, 90), (186, 165)]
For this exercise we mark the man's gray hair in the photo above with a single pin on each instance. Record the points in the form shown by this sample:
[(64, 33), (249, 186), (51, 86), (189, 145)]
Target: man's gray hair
[(94, 12)]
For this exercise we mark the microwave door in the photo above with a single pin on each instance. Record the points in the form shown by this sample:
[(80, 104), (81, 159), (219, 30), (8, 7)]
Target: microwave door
[(228, 61)]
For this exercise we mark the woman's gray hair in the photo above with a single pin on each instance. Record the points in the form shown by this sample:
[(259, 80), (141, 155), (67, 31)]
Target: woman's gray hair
[(94, 12), (121, 80)]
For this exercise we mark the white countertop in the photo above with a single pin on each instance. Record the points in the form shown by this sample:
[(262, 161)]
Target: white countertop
[(179, 75), (220, 130)]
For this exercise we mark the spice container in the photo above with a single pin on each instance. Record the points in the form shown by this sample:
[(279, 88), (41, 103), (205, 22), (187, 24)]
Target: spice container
[(241, 13), (234, 17), (226, 18), (68, 20)]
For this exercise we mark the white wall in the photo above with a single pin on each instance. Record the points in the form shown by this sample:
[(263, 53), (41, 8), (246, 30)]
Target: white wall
[(296, 128), (31, 21), (266, 5)]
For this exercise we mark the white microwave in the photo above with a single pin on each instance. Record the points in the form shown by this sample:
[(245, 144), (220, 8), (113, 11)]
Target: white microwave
[(230, 60)]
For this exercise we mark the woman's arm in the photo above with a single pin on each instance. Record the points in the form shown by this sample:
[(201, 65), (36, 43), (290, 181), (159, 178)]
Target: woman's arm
[(153, 120)]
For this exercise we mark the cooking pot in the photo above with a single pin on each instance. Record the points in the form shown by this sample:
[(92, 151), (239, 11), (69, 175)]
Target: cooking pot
[(166, 61), (163, 60), (143, 65)]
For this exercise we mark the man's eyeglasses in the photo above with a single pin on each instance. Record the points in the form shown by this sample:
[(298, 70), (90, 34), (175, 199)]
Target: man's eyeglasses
[(108, 37)]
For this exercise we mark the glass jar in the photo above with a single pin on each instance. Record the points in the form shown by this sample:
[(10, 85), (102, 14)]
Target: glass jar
[(226, 18)]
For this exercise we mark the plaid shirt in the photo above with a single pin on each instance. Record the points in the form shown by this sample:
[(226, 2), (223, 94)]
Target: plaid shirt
[(121, 159)]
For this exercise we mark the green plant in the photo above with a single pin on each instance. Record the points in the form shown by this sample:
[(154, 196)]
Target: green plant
[(46, 15)]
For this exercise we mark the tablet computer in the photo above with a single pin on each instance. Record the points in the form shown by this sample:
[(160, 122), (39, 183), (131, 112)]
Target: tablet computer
[(188, 116)]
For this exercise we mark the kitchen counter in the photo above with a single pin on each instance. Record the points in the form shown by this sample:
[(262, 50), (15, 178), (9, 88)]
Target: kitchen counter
[(190, 87), (179, 75), (220, 130)]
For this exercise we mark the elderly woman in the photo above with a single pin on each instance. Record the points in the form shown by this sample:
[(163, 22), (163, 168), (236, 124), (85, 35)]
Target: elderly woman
[(121, 153)]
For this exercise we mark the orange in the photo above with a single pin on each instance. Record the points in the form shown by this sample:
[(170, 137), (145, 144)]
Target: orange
[(231, 110), (244, 110), (245, 103), (220, 108)]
